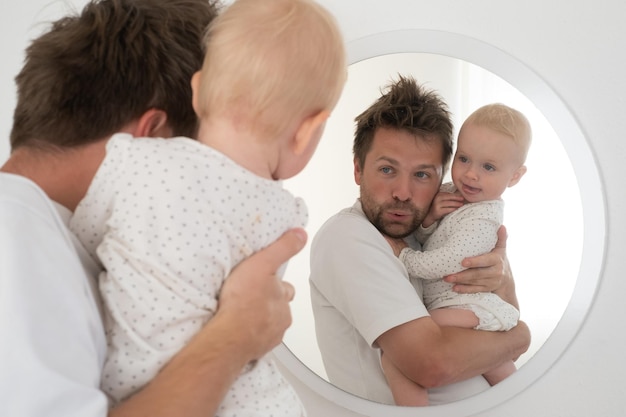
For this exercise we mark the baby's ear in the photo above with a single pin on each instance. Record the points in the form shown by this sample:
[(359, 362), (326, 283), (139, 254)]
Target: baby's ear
[(519, 173), (195, 90), (308, 130)]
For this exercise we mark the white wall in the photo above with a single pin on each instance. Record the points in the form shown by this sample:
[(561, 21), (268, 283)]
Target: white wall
[(24, 21), (577, 48)]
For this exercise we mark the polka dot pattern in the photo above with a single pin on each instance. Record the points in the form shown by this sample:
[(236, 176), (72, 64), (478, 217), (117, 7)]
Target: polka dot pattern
[(169, 219), (468, 231)]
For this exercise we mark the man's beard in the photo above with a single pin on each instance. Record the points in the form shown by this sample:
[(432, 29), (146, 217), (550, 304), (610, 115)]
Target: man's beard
[(394, 229)]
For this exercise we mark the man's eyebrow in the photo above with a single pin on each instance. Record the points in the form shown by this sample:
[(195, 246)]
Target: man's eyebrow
[(387, 159), (392, 161), (428, 166)]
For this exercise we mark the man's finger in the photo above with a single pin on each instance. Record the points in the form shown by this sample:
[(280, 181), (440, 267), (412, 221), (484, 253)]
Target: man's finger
[(469, 289), (502, 236), (290, 291), (269, 259)]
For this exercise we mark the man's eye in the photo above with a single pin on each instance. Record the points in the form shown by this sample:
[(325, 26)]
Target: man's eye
[(386, 170), (422, 174)]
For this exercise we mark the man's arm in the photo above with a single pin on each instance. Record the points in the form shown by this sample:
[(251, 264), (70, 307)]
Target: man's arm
[(434, 356), (252, 318)]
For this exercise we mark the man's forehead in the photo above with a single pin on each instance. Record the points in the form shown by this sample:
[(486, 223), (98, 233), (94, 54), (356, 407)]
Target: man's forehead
[(401, 147)]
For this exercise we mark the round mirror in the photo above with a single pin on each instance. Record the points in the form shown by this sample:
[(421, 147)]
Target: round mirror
[(555, 277)]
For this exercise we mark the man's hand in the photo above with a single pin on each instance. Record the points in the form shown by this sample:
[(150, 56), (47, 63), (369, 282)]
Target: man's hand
[(256, 300), (489, 272), (251, 319)]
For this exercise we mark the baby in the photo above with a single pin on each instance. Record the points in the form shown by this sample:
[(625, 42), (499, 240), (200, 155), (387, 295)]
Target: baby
[(170, 218), (463, 221)]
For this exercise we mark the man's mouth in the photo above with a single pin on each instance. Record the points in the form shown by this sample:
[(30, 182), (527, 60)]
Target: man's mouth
[(398, 213)]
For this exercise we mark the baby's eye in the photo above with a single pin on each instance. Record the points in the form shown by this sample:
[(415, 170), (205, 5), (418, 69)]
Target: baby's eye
[(489, 167), (463, 158)]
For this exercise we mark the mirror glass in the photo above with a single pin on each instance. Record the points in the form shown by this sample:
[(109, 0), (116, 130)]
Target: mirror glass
[(545, 269)]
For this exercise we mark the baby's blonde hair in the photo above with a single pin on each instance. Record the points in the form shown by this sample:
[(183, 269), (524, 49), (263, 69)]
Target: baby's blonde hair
[(271, 61), (506, 120)]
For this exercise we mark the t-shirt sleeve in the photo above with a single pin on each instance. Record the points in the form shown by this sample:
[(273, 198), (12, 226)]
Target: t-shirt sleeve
[(354, 268)]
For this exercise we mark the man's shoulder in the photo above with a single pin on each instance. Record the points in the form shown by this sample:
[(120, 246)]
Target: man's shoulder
[(347, 222), (20, 193), (16, 186), (26, 209), (349, 235), (352, 214)]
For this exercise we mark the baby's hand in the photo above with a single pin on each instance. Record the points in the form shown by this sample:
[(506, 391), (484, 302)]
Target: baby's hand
[(443, 204), (396, 244)]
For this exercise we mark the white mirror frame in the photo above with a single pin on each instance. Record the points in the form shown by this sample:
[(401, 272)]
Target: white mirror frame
[(593, 206)]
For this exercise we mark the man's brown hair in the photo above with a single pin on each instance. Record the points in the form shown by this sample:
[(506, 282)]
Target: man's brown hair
[(96, 71), (409, 107)]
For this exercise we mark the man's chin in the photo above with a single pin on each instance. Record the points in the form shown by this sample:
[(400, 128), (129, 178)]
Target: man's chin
[(397, 231)]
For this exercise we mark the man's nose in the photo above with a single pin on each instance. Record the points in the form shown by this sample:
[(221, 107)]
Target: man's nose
[(402, 189)]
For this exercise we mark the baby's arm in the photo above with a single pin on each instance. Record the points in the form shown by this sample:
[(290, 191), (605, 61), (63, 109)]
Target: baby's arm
[(469, 237), (443, 204), (423, 233), (405, 392)]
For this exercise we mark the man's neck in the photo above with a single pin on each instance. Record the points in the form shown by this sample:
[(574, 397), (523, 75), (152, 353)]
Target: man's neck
[(64, 175)]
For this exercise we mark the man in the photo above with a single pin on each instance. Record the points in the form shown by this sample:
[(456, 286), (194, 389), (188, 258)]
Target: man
[(121, 65), (363, 300)]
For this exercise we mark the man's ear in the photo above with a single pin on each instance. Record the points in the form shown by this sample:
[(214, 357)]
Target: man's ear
[(152, 123), (195, 90), (517, 176), (309, 130), (357, 171)]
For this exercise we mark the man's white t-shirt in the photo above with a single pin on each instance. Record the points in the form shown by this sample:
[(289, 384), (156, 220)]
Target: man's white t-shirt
[(53, 343), (359, 290)]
